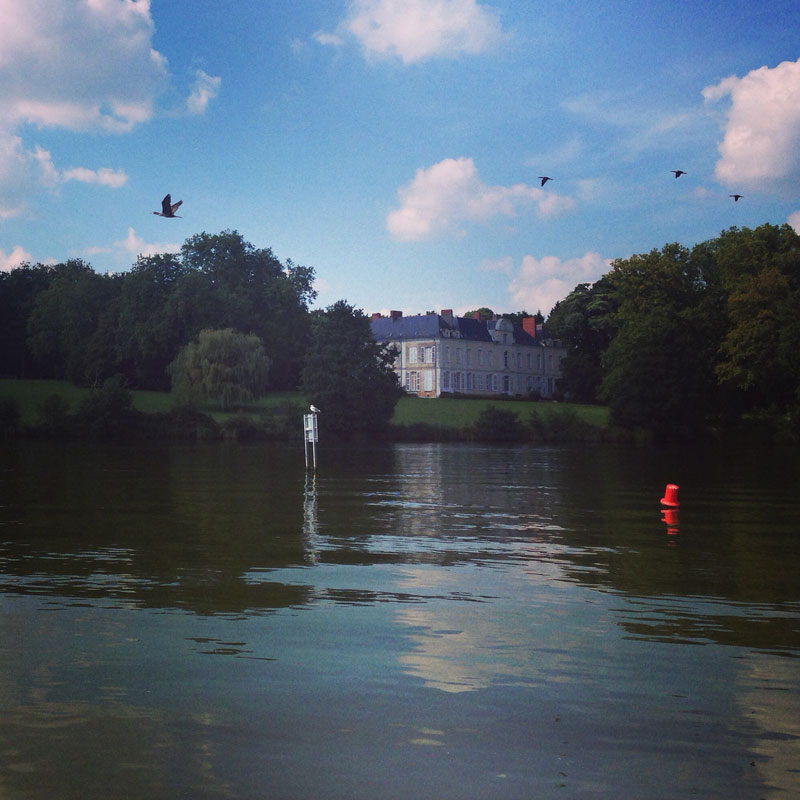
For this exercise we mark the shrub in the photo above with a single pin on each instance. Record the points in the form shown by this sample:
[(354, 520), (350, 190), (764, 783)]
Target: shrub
[(498, 425), (9, 416), (54, 415)]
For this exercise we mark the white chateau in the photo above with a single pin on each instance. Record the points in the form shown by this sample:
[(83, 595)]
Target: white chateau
[(443, 354)]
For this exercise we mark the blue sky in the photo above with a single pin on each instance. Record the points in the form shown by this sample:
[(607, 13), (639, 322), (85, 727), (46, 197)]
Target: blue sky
[(396, 145)]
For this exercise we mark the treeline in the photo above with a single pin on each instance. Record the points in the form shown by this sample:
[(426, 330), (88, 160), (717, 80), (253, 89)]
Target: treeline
[(218, 324), (680, 342), (68, 322), (685, 342)]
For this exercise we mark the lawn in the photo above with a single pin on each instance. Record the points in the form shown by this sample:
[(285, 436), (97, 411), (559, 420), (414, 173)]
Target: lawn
[(458, 412), (450, 412)]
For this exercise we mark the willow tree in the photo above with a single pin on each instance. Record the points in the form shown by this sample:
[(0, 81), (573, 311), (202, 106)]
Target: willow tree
[(222, 366)]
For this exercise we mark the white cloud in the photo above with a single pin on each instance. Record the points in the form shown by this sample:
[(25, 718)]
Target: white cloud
[(450, 192), (16, 257), (417, 30), (794, 221), (104, 176), (206, 88), (87, 66), (82, 66), (540, 283), (137, 246), (760, 149)]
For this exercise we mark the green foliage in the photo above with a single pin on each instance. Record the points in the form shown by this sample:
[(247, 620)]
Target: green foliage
[(498, 425), (348, 374), (483, 313), (222, 366), (107, 412), (19, 289), (9, 416), (282, 420), (71, 324), (242, 428), (584, 321), (54, 415), (563, 425)]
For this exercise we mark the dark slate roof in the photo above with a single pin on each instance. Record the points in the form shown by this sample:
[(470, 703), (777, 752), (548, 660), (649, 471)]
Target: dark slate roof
[(425, 326), (429, 326), (472, 329)]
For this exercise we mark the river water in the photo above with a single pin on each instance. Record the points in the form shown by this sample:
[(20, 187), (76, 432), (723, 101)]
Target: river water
[(412, 621)]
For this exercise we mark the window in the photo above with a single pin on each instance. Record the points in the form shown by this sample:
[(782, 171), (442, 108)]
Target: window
[(505, 359), (469, 357), (470, 380), (506, 384), (494, 383), (459, 355), (519, 360), (446, 380), (412, 355), (456, 381), (428, 380), (412, 381), (480, 358), (530, 361), (480, 382)]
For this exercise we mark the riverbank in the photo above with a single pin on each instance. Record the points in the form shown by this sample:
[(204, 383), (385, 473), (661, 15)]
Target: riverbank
[(58, 408)]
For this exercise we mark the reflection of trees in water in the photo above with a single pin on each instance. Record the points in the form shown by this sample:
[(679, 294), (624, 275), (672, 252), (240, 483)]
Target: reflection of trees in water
[(176, 526)]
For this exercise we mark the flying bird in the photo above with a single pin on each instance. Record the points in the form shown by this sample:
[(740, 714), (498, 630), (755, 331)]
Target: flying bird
[(314, 409), (544, 179), (678, 172), (168, 209), (736, 197)]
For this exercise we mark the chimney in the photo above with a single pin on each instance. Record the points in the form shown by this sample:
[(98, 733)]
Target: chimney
[(529, 326), (375, 315), (476, 314), (447, 312), (395, 314)]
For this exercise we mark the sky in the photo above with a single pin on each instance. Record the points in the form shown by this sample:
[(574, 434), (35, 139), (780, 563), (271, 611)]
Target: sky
[(397, 146)]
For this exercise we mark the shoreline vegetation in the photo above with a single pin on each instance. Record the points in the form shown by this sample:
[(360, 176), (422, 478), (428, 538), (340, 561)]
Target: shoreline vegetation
[(59, 409)]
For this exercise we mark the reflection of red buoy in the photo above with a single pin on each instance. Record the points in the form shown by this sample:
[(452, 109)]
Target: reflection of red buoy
[(670, 497), (670, 517)]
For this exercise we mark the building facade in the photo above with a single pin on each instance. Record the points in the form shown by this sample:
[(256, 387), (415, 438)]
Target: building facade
[(443, 354)]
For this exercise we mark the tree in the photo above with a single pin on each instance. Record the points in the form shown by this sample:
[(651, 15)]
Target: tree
[(584, 322), (222, 366), (483, 313), (348, 374), (760, 351), (242, 287), (659, 367), (152, 325), (72, 323), (19, 289)]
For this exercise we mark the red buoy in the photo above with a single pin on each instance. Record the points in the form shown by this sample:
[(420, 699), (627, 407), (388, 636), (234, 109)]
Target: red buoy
[(670, 497)]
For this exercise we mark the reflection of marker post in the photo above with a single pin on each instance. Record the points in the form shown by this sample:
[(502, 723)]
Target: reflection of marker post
[(310, 436)]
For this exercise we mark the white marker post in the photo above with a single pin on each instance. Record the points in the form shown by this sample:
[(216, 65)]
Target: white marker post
[(310, 435)]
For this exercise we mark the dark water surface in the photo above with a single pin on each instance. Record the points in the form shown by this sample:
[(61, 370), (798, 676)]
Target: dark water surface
[(415, 621)]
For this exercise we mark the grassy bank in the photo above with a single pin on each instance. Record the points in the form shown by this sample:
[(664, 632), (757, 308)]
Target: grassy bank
[(461, 412), (414, 418)]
